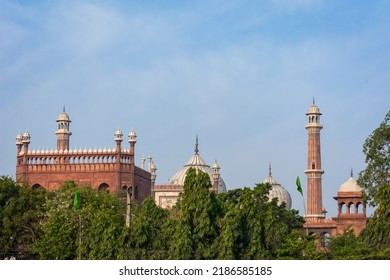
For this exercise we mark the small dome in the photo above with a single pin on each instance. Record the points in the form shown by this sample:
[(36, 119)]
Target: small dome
[(277, 191), (216, 165), (19, 139), (63, 117), (26, 137), (118, 134), (350, 186), (314, 110), (132, 136)]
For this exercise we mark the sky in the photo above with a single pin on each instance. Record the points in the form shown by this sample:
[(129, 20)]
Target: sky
[(239, 74)]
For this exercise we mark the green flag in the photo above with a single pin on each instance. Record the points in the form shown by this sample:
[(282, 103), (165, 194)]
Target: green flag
[(299, 187), (76, 200)]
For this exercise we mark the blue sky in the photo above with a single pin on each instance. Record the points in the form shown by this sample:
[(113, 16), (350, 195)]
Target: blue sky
[(240, 74)]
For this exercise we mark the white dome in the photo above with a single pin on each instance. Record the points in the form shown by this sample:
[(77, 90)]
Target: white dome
[(314, 110), (350, 186), (277, 191), (63, 116), (199, 164)]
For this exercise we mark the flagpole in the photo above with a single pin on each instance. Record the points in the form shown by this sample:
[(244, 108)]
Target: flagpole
[(299, 188), (304, 204), (79, 236), (76, 206)]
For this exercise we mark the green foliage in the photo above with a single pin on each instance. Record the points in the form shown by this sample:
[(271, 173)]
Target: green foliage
[(375, 180), (89, 232), (253, 227), (238, 224), (21, 211), (145, 238), (377, 232), (348, 247), (376, 177), (298, 245), (197, 225)]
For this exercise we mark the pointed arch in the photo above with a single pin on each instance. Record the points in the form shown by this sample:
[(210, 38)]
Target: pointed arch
[(36, 186), (103, 187)]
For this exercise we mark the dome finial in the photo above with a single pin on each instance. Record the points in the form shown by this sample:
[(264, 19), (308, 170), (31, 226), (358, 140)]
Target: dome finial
[(269, 170), (314, 101), (196, 145), (63, 109), (351, 172)]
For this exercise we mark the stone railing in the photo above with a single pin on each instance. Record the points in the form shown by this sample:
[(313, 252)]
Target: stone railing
[(75, 160)]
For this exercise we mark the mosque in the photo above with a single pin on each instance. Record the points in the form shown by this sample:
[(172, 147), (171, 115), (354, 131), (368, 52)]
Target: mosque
[(115, 170)]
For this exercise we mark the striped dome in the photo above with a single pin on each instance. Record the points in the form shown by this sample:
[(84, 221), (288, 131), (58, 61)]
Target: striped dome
[(277, 191), (198, 163)]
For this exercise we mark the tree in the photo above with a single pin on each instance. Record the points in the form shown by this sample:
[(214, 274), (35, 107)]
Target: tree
[(21, 212), (253, 227), (376, 234), (145, 238), (89, 231), (197, 226), (348, 247), (375, 180), (376, 176), (298, 245)]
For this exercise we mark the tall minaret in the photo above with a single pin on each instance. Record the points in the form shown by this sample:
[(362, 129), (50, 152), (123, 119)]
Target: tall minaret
[(63, 133), (314, 172)]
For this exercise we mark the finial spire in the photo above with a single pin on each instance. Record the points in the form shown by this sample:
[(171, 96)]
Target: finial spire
[(269, 170), (63, 109), (196, 145), (351, 172), (314, 101)]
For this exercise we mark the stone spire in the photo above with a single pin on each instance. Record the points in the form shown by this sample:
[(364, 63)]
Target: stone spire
[(196, 145)]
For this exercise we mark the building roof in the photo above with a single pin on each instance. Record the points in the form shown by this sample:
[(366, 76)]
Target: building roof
[(278, 191), (63, 116), (313, 109), (350, 186), (198, 163)]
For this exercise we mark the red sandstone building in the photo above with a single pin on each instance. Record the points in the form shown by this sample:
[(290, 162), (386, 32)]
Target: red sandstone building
[(351, 208), (112, 170)]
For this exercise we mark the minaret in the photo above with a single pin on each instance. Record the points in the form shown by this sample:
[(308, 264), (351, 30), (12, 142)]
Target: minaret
[(153, 175), (216, 176), (118, 137), (132, 138), (314, 172), (63, 133)]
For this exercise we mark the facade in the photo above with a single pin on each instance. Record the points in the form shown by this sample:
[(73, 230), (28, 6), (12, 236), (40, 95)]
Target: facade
[(349, 196), (167, 195), (112, 170)]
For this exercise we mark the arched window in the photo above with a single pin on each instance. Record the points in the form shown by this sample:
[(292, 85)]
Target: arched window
[(313, 165), (358, 207), (36, 186), (103, 187), (123, 193), (351, 208), (342, 208)]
